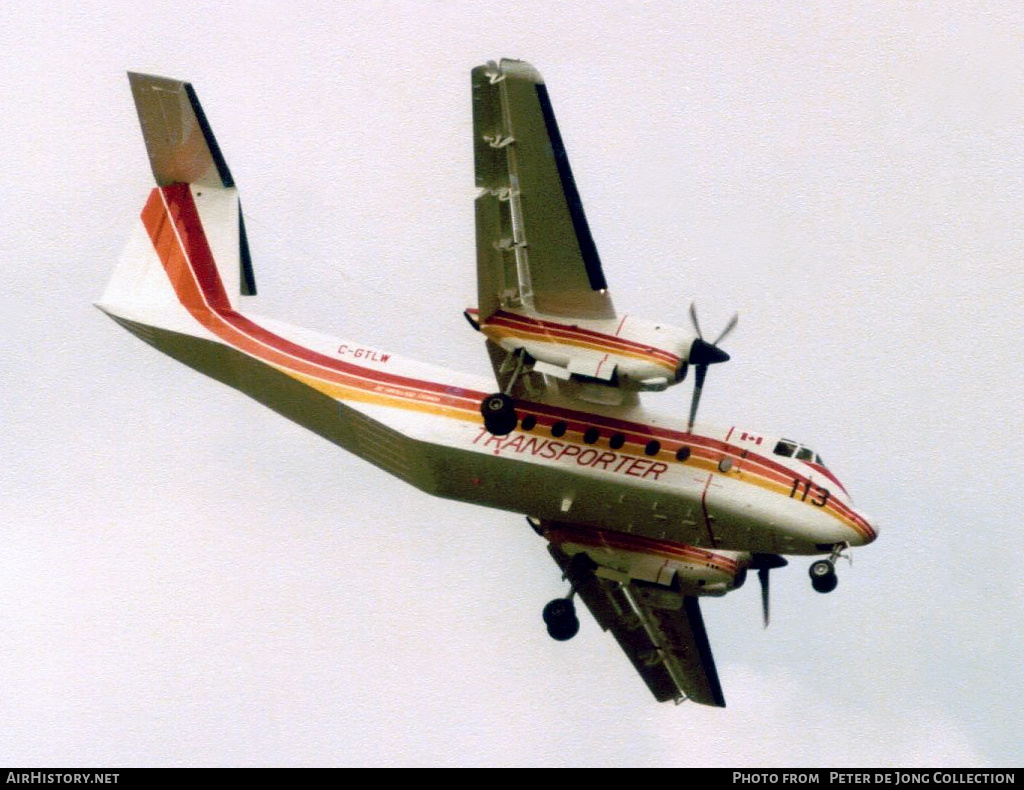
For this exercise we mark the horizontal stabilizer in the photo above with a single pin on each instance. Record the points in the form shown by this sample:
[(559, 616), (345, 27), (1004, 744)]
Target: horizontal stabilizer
[(181, 145)]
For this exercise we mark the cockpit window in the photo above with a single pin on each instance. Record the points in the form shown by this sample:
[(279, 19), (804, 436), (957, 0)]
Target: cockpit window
[(785, 448), (789, 449)]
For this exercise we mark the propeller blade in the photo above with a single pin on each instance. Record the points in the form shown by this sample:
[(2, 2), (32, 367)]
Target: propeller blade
[(698, 385), (762, 575), (764, 564), (693, 317), (728, 328), (702, 353)]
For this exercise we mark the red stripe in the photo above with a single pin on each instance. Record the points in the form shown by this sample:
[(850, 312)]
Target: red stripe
[(535, 325), (822, 470), (700, 446), (175, 228), (189, 263), (601, 538)]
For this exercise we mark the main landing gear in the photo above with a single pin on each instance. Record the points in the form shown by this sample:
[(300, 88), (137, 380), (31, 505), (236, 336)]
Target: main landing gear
[(823, 572), (499, 414), (560, 618), (560, 614), (498, 410)]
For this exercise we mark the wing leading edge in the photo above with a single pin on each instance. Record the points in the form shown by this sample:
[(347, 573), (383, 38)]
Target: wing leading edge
[(534, 246), (661, 631)]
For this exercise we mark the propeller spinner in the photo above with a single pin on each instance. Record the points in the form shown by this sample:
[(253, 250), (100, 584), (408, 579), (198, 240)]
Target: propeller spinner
[(702, 354)]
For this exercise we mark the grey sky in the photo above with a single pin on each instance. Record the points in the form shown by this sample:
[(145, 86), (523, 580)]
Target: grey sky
[(187, 579)]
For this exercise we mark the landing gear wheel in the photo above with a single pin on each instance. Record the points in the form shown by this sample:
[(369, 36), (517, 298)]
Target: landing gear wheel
[(825, 584), (499, 414), (823, 576), (560, 617)]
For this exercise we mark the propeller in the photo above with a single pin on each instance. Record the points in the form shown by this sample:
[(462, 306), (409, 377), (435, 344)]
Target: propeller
[(764, 564), (702, 353)]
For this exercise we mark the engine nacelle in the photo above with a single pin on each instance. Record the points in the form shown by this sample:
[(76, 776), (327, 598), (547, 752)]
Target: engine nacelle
[(626, 352), (716, 574), (679, 568)]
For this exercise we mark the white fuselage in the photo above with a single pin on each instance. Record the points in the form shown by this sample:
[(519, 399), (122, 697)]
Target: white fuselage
[(624, 470)]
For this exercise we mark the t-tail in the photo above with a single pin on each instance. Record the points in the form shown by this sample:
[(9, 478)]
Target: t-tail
[(179, 284), (191, 221)]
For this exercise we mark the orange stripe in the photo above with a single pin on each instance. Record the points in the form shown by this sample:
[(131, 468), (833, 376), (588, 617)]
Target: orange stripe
[(174, 226), (188, 261), (516, 325), (617, 540)]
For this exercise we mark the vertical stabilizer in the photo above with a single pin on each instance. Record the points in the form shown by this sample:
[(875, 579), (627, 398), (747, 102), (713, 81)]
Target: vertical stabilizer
[(193, 213)]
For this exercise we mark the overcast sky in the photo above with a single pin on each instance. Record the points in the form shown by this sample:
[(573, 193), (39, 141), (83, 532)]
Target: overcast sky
[(188, 579)]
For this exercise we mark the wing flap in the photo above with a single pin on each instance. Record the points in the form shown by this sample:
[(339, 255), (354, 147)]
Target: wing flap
[(661, 632), (496, 266)]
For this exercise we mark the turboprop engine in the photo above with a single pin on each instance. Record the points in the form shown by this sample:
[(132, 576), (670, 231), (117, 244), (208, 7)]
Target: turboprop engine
[(603, 354)]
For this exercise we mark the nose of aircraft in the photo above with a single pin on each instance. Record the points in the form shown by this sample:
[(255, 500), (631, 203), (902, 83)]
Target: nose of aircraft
[(871, 533)]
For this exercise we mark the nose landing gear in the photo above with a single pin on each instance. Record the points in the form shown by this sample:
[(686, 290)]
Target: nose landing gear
[(823, 572), (823, 576)]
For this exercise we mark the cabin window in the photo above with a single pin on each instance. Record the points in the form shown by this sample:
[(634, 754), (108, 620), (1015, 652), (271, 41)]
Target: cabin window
[(529, 421), (617, 441), (653, 446), (592, 435), (558, 429), (682, 453), (803, 454), (785, 448), (817, 460)]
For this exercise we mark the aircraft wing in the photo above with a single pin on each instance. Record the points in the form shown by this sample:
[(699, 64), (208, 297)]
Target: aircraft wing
[(660, 630), (534, 246)]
